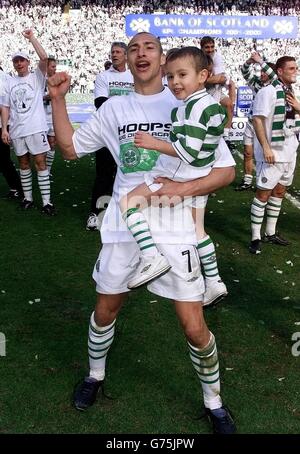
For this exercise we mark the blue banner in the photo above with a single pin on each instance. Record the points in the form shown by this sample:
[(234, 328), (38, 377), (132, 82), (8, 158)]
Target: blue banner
[(177, 25), (244, 101)]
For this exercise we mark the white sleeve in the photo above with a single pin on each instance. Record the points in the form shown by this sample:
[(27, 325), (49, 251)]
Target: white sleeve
[(223, 156), (264, 101), (87, 139), (218, 65), (101, 87), (41, 78)]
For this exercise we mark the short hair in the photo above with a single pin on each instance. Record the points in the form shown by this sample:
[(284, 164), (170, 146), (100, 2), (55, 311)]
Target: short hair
[(50, 59), (156, 38), (206, 40), (283, 60), (119, 44), (197, 55)]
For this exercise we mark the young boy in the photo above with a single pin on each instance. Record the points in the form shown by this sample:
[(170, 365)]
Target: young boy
[(197, 127)]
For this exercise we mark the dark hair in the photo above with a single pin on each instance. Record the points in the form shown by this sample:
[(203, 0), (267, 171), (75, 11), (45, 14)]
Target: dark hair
[(283, 60), (107, 64), (206, 40), (50, 59), (200, 59)]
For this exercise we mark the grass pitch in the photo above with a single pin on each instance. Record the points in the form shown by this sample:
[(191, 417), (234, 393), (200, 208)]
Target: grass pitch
[(47, 295)]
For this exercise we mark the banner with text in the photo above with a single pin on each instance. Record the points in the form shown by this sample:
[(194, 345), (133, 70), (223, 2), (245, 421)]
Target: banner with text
[(177, 25), (244, 101)]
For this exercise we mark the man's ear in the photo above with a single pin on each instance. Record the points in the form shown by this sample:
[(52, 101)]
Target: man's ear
[(162, 59)]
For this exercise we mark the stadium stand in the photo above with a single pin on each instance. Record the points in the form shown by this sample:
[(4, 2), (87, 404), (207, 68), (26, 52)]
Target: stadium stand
[(79, 33)]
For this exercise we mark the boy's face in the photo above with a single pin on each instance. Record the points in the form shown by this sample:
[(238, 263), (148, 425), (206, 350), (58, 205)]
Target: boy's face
[(21, 65), (183, 79)]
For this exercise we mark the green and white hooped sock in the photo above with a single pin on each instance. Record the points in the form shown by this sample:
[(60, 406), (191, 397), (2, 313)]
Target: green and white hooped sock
[(138, 226), (99, 342)]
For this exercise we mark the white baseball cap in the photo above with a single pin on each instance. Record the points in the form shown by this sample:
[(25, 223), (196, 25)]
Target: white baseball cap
[(20, 53)]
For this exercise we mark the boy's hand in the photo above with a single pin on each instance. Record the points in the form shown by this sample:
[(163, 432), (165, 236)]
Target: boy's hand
[(144, 140)]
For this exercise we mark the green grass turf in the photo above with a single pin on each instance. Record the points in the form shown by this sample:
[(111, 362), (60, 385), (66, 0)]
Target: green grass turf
[(149, 375)]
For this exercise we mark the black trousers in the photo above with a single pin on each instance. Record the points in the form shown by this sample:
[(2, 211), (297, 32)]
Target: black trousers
[(7, 167), (106, 170)]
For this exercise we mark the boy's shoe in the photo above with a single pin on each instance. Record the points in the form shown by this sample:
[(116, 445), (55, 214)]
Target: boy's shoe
[(221, 420), (148, 269), (26, 204), (275, 239), (92, 222), (86, 392), (215, 291), (254, 247), (48, 209), (243, 186)]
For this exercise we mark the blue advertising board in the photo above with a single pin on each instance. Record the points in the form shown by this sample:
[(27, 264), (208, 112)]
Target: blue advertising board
[(185, 25), (243, 101)]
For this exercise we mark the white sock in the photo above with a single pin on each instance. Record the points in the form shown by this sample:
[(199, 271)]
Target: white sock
[(206, 364), (273, 211), (99, 342), (26, 181), (44, 185), (257, 217)]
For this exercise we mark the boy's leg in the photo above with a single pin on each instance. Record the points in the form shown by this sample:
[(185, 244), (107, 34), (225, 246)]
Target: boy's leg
[(153, 263), (215, 287)]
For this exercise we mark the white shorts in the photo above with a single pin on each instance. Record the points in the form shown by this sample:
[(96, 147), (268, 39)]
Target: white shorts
[(269, 175), (249, 134), (33, 144), (117, 263)]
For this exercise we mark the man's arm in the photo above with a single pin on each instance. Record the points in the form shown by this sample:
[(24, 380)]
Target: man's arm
[(216, 79), (28, 34), (216, 179), (260, 131), (4, 119), (58, 86)]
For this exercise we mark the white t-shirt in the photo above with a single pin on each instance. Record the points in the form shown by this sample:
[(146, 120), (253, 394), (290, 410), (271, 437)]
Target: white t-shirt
[(24, 96), (264, 105), (113, 126), (218, 68), (113, 83)]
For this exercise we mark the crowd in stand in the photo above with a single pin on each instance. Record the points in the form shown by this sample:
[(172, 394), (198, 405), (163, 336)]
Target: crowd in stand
[(79, 33)]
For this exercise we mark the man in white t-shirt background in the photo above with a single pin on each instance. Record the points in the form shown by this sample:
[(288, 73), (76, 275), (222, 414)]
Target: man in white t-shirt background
[(23, 108), (115, 81)]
